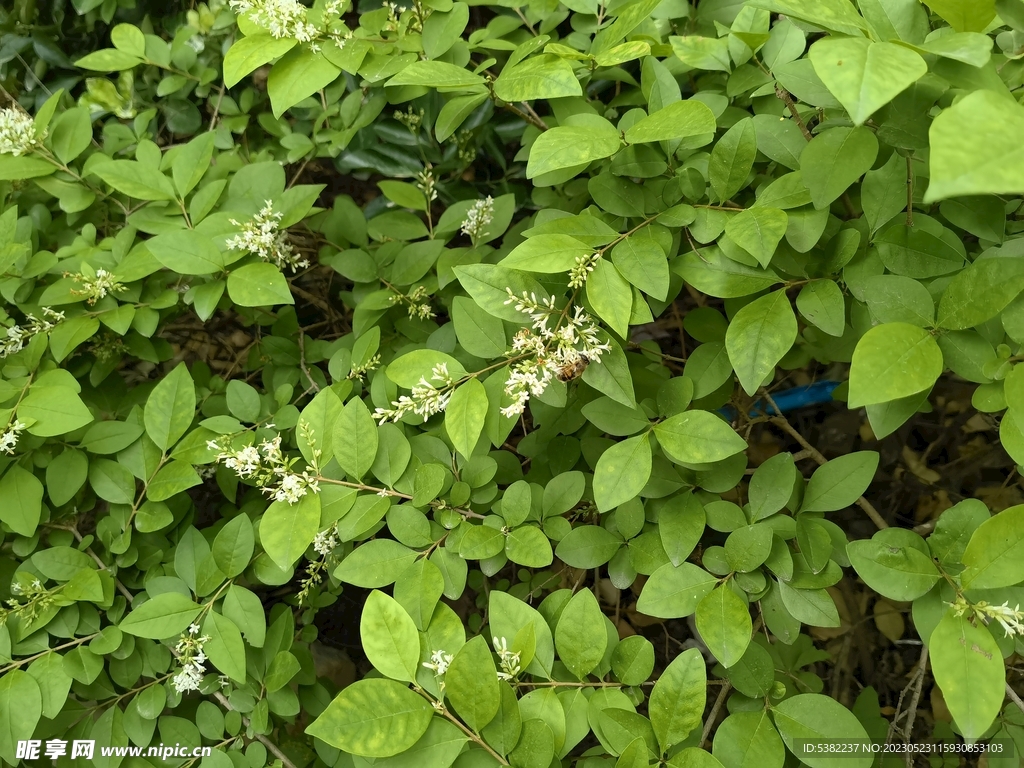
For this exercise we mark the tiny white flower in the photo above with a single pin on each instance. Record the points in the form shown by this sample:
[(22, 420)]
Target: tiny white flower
[(478, 218), (262, 235)]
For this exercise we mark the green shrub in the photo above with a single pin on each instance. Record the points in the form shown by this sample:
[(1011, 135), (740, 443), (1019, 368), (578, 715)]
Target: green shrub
[(471, 314)]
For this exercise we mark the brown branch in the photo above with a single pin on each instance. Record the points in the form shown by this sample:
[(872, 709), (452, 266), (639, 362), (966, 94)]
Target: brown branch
[(1014, 697), (783, 94), (710, 723), (781, 421)]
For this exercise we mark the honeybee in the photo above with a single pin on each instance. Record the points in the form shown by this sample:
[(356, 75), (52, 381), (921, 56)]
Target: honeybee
[(573, 370)]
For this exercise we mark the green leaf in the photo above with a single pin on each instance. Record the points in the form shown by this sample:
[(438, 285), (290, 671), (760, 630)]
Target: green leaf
[(192, 162), (300, 73), (355, 438), (56, 410), (641, 260), (677, 702), (170, 408), (678, 120), (835, 159), (547, 254), (893, 569), (835, 15), (822, 304), (250, 53), (747, 739), (488, 285), (581, 637), (471, 684), (994, 556), (681, 524), (72, 134), (968, 668), (840, 482), (437, 74), (865, 75), (259, 285), (698, 437), (375, 564), (373, 718), (225, 647), (163, 616), (705, 53), (389, 637), (758, 231), (135, 179), (539, 77), (981, 292), (610, 295), (187, 251), (674, 592), (891, 361), (233, 546), (760, 334), (23, 505), (464, 416), (24, 167), (622, 472), (965, 15), (732, 158), (813, 607), (723, 621), (529, 547), (508, 616), (973, 148), (569, 146), (287, 530), (710, 271), (21, 705), (588, 546), (812, 716)]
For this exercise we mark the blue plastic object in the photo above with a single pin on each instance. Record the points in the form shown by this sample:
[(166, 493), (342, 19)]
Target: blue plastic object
[(791, 399)]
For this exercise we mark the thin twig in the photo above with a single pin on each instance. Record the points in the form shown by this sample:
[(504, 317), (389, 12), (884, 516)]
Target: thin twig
[(915, 698), (781, 421), (783, 94), (1014, 697), (709, 724)]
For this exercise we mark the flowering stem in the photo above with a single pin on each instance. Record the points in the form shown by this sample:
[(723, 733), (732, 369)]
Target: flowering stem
[(388, 492), (443, 710)]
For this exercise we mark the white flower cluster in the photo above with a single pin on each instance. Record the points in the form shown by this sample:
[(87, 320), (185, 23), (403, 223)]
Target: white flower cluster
[(584, 266), (95, 287), (425, 400), (189, 651), (281, 18), (1011, 619), (325, 541), (478, 218), (9, 439), (509, 661), (18, 335), (269, 468), (419, 302), (263, 236), (17, 132), (570, 344), (439, 662)]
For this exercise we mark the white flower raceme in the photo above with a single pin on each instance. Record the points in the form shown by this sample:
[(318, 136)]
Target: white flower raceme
[(439, 662), (569, 345), (189, 650), (425, 400), (281, 18), (509, 660), (9, 439), (325, 542), (269, 468), (17, 132), (94, 286), (17, 336), (263, 236), (478, 218), (1010, 619), (584, 266)]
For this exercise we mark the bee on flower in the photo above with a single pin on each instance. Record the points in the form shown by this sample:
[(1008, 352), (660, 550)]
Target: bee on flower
[(559, 344)]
